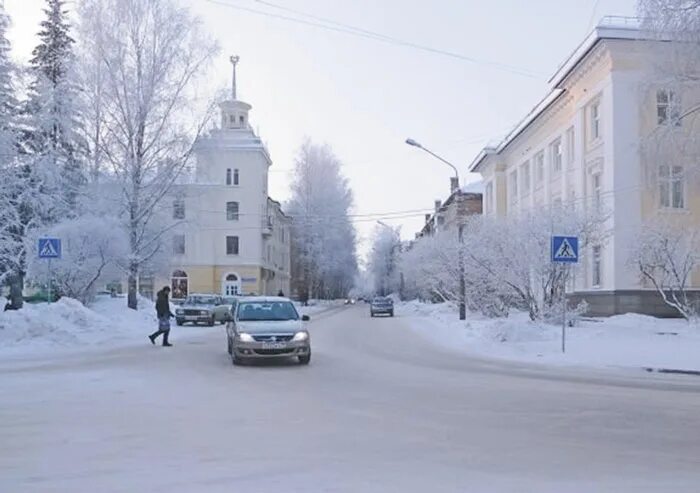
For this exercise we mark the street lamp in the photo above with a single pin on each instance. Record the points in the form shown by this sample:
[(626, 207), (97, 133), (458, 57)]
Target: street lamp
[(460, 230), (414, 143)]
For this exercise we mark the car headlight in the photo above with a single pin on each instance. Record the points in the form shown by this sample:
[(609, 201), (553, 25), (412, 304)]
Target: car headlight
[(179, 311), (243, 337), (300, 336)]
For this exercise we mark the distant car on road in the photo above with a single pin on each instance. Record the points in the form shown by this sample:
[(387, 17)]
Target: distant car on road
[(263, 327), (202, 309), (381, 305)]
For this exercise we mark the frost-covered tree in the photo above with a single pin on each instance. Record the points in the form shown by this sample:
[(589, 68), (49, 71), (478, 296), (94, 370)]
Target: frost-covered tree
[(506, 261), (92, 247), (384, 258), (666, 255), (18, 190), (145, 58), (324, 263), (52, 133)]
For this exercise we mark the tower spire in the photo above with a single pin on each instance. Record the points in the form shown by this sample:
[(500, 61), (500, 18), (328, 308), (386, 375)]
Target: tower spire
[(234, 61)]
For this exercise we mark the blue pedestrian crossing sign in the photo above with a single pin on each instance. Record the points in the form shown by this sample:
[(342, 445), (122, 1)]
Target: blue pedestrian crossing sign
[(49, 248), (565, 249)]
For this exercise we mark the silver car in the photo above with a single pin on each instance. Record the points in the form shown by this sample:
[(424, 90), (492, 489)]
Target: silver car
[(263, 327), (202, 309)]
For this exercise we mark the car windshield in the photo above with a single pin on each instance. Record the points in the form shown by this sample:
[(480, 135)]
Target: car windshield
[(266, 311), (382, 300), (200, 300)]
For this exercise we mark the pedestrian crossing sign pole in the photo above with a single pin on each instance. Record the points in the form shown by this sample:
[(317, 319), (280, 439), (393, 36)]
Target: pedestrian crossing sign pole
[(49, 248), (564, 251)]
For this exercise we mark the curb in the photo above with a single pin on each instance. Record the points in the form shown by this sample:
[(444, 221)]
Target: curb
[(695, 373)]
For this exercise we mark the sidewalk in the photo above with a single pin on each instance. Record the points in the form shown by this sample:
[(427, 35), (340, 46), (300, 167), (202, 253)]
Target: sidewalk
[(629, 341)]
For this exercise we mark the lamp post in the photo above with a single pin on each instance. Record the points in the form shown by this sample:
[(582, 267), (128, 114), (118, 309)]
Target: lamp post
[(460, 229)]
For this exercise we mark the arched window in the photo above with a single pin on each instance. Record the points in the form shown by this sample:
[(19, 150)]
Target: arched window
[(232, 211), (232, 277), (179, 285)]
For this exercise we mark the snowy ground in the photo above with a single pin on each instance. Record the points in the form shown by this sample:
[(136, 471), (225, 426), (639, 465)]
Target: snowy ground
[(378, 410), (67, 325), (623, 341)]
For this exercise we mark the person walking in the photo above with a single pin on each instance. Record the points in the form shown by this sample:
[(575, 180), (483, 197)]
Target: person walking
[(164, 315)]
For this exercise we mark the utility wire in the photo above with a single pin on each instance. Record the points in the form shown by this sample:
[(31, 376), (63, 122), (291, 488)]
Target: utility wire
[(331, 25)]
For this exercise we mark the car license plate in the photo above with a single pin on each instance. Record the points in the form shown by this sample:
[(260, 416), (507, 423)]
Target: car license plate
[(274, 345), (191, 317)]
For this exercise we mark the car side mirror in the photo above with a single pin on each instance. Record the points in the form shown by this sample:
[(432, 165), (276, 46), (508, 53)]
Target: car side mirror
[(305, 318)]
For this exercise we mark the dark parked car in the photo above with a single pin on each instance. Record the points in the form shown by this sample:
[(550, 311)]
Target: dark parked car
[(381, 305)]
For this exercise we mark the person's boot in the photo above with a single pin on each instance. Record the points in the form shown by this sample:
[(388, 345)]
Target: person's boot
[(165, 338), (152, 337)]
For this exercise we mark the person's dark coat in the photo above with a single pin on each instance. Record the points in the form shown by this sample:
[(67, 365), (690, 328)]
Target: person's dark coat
[(162, 305)]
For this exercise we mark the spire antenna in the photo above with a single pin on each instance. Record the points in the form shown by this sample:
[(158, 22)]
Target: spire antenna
[(234, 61)]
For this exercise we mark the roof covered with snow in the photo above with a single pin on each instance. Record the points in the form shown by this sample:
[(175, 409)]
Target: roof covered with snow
[(609, 28)]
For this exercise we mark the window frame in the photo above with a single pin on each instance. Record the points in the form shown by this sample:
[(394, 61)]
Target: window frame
[(594, 123), (236, 177), (179, 211), (556, 159), (228, 177), (179, 240), (233, 215), (236, 241), (597, 266), (671, 107), (673, 182)]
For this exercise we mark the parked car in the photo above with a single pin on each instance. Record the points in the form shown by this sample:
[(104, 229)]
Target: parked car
[(263, 327), (202, 308), (381, 305)]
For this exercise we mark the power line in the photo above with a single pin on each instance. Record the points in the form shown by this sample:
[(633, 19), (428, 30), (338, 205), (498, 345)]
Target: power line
[(331, 25)]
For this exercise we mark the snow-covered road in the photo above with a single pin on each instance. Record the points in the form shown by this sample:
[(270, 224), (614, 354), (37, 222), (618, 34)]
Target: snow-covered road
[(378, 410)]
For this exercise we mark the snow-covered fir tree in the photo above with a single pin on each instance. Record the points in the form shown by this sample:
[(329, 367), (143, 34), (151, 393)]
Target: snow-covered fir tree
[(17, 181), (52, 134)]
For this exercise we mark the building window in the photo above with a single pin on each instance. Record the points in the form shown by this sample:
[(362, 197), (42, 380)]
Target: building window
[(178, 244), (179, 208), (488, 197), (232, 245), (556, 156), (539, 167), (597, 188), (594, 116), (241, 119), (179, 285), (525, 176), (668, 110), (671, 187), (232, 119), (228, 176), (597, 267), (232, 211), (514, 186), (570, 146), (235, 176)]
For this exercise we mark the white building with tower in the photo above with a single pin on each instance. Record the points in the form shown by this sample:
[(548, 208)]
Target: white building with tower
[(230, 236)]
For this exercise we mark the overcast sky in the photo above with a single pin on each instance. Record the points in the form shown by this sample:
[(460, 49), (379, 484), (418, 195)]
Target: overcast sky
[(365, 97)]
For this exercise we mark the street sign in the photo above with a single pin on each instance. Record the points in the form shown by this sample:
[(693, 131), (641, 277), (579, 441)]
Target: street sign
[(565, 249), (49, 248)]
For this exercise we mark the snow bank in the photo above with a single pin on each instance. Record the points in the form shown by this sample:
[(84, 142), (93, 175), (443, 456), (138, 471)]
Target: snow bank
[(629, 340), (69, 324)]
